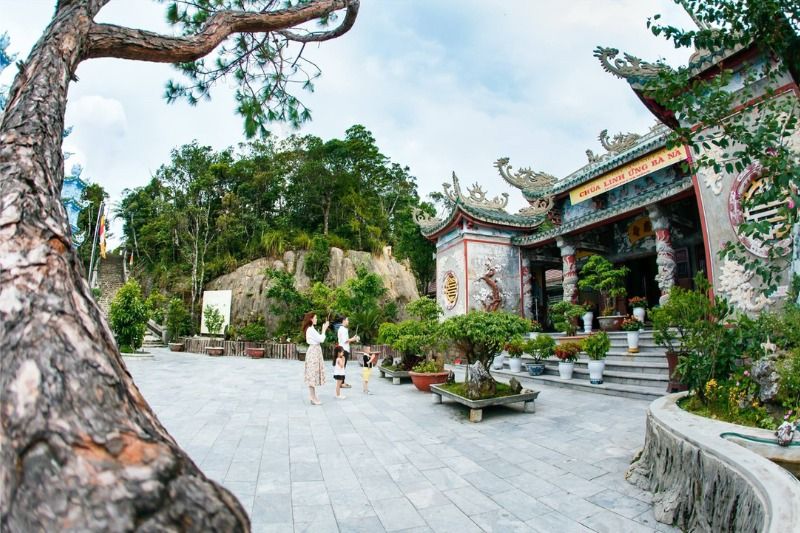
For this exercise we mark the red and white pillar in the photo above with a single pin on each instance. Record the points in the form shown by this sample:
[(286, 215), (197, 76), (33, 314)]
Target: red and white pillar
[(569, 269), (665, 259)]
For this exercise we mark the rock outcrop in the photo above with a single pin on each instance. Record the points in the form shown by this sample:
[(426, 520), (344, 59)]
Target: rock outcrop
[(249, 283)]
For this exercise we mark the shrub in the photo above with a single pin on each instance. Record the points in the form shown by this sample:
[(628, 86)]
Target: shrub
[(480, 335), (424, 309), (596, 345), (568, 351), (179, 322), (414, 338), (600, 275), (213, 319), (428, 367), (516, 346), (789, 382), (638, 301), (565, 315), (252, 332), (536, 326), (128, 315), (541, 347)]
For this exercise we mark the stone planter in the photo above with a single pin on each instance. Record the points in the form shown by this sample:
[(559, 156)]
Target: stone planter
[(611, 323), (633, 341), (215, 351), (569, 338), (596, 368), (498, 361), (177, 347), (639, 313), (515, 364), (565, 370), (535, 369), (424, 380), (587, 321), (254, 353), (395, 375), (526, 397), (703, 482)]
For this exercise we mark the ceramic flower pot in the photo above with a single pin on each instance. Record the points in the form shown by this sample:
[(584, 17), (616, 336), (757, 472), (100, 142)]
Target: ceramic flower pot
[(633, 341), (587, 321), (611, 323), (498, 361), (424, 380), (254, 353), (177, 347), (515, 364), (596, 371), (535, 369), (565, 370), (639, 313)]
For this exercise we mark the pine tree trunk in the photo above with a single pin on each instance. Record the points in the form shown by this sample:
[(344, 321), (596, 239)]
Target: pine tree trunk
[(80, 449)]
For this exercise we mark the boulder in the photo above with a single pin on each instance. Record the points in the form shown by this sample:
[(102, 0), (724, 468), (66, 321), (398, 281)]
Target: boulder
[(765, 373), (480, 384), (516, 386)]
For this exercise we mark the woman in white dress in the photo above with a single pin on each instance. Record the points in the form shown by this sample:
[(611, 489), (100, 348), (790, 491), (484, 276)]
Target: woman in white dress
[(314, 375)]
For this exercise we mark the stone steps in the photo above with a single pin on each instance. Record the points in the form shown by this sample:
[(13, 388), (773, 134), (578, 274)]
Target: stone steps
[(609, 388)]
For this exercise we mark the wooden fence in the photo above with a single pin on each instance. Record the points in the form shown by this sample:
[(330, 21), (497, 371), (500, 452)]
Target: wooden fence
[(274, 350)]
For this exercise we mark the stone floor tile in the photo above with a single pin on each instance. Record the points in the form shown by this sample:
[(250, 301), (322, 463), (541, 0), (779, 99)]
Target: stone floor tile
[(273, 508), (521, 505), (427, 497), (369, 524), (648, 519), (470, 500), (449, 519), (397, 514), (445, 479), (309, 493), (500, 521), (557, 523), (570, 505), (619, 503), (306, 472), (576, 485), (487, 482), (608, 522)]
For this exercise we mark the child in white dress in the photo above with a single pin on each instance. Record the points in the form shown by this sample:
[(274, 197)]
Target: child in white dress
[(338, 371)]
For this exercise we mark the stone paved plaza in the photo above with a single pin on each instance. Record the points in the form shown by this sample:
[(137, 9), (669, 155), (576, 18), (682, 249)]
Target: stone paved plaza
[(394, 461)]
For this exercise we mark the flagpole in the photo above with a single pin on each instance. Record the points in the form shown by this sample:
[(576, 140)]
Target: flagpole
[(94, 240)]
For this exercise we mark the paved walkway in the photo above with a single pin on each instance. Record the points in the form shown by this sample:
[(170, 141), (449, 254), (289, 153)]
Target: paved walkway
[(394, 461)]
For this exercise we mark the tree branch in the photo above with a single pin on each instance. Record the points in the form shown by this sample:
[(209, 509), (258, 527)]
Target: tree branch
[(347, 23), (109, 40)]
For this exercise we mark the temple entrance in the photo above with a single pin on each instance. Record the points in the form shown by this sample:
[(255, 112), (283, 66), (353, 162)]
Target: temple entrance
[(642, 279)]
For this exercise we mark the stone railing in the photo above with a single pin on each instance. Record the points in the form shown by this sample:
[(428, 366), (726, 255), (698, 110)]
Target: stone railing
[(702, 482)]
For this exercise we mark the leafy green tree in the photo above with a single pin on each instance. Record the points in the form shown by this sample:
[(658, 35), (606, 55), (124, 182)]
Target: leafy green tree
[(287, 303), (318, 259), (364, 300), (600, 275), (156, 304), (92, 196), (128, 316)]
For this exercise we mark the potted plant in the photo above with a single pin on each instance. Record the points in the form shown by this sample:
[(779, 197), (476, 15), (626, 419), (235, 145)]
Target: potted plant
[(515, 347), (639, 306), (427, 373), (596, 347), (536, 328), (568, 354), (540, 348), (632, 326), (587, 317), (564, 316), (253, 332), (600, 275)]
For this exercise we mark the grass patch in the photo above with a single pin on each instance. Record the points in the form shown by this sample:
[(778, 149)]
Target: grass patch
[(461, 389)]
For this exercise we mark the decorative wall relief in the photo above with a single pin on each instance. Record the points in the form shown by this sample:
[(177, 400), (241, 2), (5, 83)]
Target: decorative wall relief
[(734, 284), (450, 290), (490, 296)]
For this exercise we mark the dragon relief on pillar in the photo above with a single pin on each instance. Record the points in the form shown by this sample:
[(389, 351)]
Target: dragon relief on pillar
[(476, 196), (665, 254), (569, 280), (527, 288), (490, 297)]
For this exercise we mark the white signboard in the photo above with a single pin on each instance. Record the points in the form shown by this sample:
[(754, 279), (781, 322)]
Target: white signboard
[(222, 301)]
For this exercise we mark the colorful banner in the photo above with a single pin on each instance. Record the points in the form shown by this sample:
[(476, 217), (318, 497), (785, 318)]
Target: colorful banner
[(628, 173), (102, 236)]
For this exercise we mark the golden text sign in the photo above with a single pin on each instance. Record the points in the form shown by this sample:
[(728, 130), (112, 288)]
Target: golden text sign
[(630, 172)]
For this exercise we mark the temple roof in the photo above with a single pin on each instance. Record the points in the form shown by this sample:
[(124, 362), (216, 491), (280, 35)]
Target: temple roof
[(629, 204), (476, 206)]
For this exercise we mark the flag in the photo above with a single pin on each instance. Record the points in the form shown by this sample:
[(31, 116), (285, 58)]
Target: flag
[(130, 263), (102, 235)]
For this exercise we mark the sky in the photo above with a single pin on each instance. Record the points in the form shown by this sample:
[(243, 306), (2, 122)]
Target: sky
[(443, 85)]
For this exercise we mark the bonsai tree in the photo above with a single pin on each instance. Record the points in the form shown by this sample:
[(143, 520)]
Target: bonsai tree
[(541, 347), (128, 316), (596, 345), (516, 346), (564, 316), (178, 320), (600, 275)]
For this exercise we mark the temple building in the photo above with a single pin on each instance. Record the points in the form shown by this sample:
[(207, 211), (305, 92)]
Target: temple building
[(639, 202)]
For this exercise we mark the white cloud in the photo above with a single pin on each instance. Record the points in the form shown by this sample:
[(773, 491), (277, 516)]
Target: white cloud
[(103, 115)]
